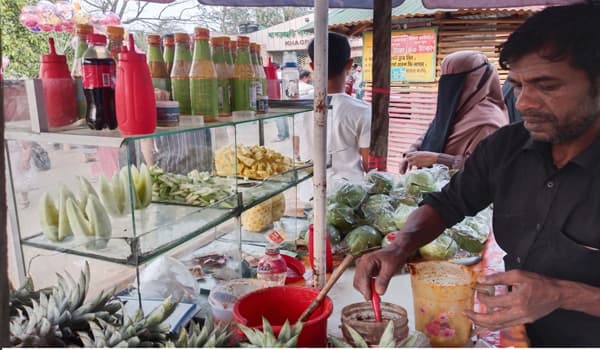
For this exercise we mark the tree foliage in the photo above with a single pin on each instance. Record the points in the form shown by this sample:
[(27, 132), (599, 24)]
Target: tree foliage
[(23, 47)]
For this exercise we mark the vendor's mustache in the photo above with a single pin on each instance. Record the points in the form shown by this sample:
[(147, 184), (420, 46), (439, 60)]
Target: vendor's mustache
[(537, 115)]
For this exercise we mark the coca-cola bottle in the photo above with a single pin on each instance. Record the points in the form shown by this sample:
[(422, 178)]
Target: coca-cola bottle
[(272, 267), (99, 84)]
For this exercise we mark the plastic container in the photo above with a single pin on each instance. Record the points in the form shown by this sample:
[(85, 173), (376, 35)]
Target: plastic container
[(59, 89), (290, 76), (272, 267), (223, 297), (167, 113), (135, 101), (278, 304), (361, 317), (441, 291)]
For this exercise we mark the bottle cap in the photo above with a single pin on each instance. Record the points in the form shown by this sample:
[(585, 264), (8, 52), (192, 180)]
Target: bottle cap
[(115, 32), (53, 57), (218, 40), (96, 39), (272, 249), (182, 38), (253, 47), (201, 33), (243, 41), (82, 28), (153, 39), (129, 54), (169, 39)]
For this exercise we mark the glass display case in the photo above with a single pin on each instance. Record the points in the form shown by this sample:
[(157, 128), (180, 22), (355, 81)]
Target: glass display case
[(123, 201)]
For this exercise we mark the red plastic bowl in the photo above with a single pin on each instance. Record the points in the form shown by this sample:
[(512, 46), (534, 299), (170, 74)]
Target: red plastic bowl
[(296, 269)]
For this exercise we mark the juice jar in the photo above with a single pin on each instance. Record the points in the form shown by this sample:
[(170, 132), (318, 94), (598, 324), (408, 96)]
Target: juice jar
[(441, 291)]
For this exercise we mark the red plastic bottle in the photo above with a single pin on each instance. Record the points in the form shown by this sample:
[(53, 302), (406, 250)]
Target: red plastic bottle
[(311, 254), (59, 89), (135, 101)]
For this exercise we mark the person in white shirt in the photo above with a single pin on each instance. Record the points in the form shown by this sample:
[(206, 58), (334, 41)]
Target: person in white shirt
[(305, 84), (349, 130)]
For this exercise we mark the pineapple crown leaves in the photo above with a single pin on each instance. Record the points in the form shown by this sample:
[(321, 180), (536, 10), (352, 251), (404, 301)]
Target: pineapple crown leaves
[(209, 336), (107, 335), (59, 312), (288, 336), (386, 341), (135, 331)]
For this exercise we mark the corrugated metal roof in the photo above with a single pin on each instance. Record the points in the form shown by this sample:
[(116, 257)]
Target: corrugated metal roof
[(412, 9), (355, 16)]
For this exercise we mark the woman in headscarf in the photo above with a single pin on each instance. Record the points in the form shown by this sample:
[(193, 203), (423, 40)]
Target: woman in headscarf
[(470, 107)]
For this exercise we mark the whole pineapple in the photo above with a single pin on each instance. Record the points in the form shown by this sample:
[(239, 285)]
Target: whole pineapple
[(207, 336), (288, 336), (57, 314), (137, 331)]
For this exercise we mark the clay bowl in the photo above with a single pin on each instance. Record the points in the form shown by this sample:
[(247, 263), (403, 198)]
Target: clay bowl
[(361, 317)]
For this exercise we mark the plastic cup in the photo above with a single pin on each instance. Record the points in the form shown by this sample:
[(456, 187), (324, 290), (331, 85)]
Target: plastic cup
[(441, 292)]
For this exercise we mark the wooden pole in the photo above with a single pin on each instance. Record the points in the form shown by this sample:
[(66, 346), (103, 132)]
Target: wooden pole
[(382, 41), (320, 140), (4, 312)]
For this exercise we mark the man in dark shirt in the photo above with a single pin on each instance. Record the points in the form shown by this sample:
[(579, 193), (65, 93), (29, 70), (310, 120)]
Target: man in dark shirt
[(543, 177)]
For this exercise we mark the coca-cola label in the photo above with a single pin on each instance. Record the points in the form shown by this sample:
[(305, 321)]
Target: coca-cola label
[(272, 266), (98, 76)]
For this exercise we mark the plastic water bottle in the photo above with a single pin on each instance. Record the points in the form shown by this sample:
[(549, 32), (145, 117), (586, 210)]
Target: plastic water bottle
[(290, 76), (272, 267)]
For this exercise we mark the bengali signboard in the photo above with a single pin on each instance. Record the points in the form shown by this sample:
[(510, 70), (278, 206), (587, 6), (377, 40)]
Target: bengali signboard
[(413, 55)]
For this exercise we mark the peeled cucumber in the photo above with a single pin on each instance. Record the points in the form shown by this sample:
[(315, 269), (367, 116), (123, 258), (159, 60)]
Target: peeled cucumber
[(48, 217)]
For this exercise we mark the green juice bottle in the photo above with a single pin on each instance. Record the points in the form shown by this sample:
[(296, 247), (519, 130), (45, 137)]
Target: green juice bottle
[(156, 65), (203, 79), (224, 75), (81, 32), (169, 51), (244, 87), (180, 74)]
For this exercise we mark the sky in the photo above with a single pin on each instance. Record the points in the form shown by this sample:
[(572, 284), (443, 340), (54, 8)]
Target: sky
[(175, 9)]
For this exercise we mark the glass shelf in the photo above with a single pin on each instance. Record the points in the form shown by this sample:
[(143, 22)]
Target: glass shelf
[(79, 133), (163, 227)]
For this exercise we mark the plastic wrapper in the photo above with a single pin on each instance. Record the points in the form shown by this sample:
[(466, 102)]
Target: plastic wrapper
[(401, 214), (166, 277), (381, 182), (375, 205), (341, 216), (362, 238), (420, 181), (384, 222), (350, 194), (441, 248)]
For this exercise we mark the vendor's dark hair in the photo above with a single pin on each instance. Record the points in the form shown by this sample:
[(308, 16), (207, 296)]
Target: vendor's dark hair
[(556, 33), (339, 53)]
